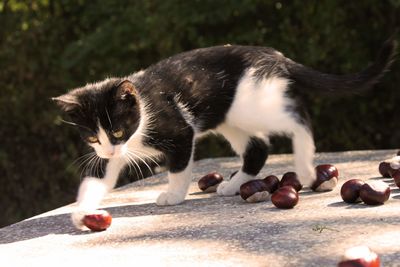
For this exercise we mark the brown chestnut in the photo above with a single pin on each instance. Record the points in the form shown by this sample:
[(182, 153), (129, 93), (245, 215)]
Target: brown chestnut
[(360, 256), (374, 193), (384, 169), (389, 166), (254, 191), (98, 221), (290, 178), (350, 191), (327, 178), (272, 183), (285, 197), (396, 177), (210, 182)]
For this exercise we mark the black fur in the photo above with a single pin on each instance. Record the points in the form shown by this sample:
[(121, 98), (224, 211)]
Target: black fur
[(316, 82), (255, 156)]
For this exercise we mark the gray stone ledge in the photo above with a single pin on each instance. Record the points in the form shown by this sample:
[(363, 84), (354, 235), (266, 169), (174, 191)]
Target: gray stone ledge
[(208, 230)]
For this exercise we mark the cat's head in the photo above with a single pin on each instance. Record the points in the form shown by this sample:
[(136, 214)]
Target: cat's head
[(106, 114)]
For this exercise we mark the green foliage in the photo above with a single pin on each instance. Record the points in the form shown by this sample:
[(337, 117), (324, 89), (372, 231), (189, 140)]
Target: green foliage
[(49, 46)]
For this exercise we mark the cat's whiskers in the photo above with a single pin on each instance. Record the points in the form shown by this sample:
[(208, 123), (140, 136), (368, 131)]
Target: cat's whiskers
[(131, 159), (92, 166), (144, 162), (130, 165), (147, 157), (82, 159)]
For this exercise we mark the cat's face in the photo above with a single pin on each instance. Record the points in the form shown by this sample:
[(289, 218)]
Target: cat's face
[(106, 114)]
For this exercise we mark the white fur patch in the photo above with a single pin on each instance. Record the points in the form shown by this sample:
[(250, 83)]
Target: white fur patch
[(231, 188), (178, 185), (262, 107), (134, 151)]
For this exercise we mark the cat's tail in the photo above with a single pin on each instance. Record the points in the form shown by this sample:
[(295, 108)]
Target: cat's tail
[(314, 81)]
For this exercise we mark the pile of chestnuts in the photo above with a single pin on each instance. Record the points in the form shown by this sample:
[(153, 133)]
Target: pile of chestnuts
[(283, 193), (373, 192), (370, 192)]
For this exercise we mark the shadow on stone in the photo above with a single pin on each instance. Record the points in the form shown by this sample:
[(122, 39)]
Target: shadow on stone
[(339, 204)]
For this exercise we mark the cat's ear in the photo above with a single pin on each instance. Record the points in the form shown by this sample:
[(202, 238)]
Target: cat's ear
[(126, 90), (67, 102)]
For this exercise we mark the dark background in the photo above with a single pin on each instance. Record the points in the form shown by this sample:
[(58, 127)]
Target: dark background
[(50, 46)]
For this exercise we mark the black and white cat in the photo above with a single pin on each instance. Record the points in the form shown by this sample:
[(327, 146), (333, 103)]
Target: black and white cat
[(244, 93)]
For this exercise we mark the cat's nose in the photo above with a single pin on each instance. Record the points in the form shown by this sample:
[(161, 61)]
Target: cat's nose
[(111, 152)]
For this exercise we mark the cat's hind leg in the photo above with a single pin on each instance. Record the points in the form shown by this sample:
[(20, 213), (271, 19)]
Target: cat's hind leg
[(304, 149), (253, 152)]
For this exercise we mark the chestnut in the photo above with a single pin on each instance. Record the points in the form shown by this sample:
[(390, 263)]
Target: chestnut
[(210, 182), (98, 221), (254, 191), (327, 178), (360, 256), (285, 197), (374, 193), (396, 177), (272, 183), (384, 169), (350, 191), (389, 166), (290, 178)]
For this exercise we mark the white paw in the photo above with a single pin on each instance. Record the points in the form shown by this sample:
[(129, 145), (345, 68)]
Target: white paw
[(307, 176), (228, 188), (167, 198)]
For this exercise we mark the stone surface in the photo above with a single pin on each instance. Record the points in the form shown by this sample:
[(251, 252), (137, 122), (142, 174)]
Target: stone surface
[(209, 230)]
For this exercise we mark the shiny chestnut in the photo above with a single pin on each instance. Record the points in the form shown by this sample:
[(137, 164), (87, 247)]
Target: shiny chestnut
[(291, 179), (374, 193), (272, 183), (254, 191), (210, 182), (396, 177), (350, 191), (327, 178), (285, 197), (97, 221)]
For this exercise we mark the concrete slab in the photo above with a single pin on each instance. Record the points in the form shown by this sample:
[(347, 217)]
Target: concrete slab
[(208, 230)]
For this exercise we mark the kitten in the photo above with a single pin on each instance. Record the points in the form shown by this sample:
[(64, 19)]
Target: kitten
[(244, 93)]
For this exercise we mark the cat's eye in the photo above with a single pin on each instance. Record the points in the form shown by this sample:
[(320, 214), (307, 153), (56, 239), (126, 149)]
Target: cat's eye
[(92, 139), (118, 134)]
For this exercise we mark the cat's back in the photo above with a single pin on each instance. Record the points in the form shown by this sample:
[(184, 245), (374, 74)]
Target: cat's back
[(227, 57), (204, 80)]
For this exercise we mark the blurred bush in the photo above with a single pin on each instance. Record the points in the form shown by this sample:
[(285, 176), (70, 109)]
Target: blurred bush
[(49, 46)]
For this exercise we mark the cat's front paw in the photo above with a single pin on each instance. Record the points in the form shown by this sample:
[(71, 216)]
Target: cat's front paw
[(228, 188), (168, 198), (307, 176)]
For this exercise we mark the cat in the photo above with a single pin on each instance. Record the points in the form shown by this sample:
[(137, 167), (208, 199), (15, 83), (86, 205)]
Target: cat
[(244, 93)]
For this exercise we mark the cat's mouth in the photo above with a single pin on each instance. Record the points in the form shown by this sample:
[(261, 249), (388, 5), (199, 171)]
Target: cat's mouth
[(116, 151)]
